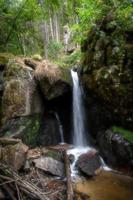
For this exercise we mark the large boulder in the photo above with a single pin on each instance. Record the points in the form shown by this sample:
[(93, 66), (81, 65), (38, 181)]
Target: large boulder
[(19, 90), (89, 163), (107, 73), (21, 103), (50, 165), (54, 81), (26, 128), (116, 149), (4, 59), (13, 152)]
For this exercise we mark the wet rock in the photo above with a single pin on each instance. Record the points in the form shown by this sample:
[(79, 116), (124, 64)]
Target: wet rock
[(50, 165), (89, 163), (71, 158), (54, 81), (116, 150), (14, 155), (49, 130)]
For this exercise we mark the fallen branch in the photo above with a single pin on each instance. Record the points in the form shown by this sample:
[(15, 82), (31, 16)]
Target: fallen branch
[(28, 188), (68, 175)]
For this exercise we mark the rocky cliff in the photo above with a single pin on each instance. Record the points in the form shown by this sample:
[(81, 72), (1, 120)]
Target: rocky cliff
[(107, 78), (30, 95)]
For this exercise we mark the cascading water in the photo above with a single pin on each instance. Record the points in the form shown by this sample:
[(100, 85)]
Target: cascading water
[(79, 132), (60, 127), (79, 140)]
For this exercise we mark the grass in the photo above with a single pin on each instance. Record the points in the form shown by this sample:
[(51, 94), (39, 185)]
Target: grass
[(128, 135)]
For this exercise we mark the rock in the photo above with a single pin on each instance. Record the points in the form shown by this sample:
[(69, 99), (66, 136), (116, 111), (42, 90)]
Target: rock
[(15, 155), (2, 196), (4, 141), (54, 81), (30, 62), (4, 59), (49, 130), (89, 163), (117, 151), (19, 89), (50, 165), (34, 153), (26, 128), (106, 68)]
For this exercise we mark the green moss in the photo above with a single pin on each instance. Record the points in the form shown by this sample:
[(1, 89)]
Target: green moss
[(5, 57), (128, 135), (55, 155), (32, 130), (15, 69)]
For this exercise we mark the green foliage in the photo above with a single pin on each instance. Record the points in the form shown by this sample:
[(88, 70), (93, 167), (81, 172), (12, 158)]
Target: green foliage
[(22, 22), (68, 61), (73, 59), (90, 11), (128, 135), (54, 50)]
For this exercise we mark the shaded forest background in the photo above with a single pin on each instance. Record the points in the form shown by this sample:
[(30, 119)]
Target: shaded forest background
[(30, 27)]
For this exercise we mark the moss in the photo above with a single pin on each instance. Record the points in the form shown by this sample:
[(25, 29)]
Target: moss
[(128, 135), (25, 127), (32, 130), (55, 155), (15, 69), (4, 58)]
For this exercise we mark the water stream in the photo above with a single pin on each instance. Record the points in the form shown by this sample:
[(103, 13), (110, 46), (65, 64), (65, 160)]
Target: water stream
[(79, 131), (60, 128)]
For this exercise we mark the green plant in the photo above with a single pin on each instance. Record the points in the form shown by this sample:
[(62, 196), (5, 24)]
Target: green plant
[(128, 135), (54, 49)]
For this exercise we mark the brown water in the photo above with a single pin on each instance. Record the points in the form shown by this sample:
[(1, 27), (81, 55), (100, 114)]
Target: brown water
[(107, 186)]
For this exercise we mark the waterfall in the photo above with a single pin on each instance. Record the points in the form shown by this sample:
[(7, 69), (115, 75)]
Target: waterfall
[(79, 131), (79, 139), (60, 127)]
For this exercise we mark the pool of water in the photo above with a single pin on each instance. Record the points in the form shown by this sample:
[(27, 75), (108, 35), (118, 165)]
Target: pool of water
[(107, 186)]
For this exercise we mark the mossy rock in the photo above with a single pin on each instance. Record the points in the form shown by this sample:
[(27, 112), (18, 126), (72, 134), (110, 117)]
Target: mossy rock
[(53, 80), (107, 67), (26, 128), (127, 134), (55, 155), (4, 59)]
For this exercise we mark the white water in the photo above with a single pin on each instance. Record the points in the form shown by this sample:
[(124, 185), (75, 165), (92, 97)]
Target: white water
[(79, 139), (60, 128), (79, 133), (76, 152)]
